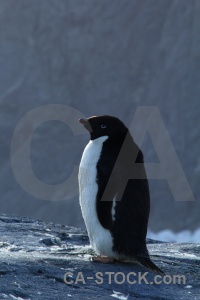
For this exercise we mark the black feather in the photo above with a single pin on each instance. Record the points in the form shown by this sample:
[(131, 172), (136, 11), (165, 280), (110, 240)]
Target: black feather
[(147, 262), (121, 176)]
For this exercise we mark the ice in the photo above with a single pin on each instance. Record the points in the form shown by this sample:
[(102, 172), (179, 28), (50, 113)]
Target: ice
[(185, 236)]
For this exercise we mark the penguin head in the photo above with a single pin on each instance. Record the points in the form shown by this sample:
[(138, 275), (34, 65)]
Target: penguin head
[(110, 126)]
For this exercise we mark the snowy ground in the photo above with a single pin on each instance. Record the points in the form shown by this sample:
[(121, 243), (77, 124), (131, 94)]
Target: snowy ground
[(185, 236), (47, 261)]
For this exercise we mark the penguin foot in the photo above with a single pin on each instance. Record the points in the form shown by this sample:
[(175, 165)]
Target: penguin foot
[(103, 259)]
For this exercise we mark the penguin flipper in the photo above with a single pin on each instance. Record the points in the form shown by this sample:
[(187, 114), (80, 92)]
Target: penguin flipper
[(104, 202), (147, 262)]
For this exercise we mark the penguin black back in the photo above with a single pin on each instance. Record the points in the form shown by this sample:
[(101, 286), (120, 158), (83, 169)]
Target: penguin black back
[(122, 199)]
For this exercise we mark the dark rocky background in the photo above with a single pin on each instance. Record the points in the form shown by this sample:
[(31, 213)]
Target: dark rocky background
[(99, 57)]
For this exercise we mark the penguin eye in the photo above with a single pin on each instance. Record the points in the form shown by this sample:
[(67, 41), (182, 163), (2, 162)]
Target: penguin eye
[(103, 126)]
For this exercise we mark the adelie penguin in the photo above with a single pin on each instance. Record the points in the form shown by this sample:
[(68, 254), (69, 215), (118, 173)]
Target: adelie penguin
[(114, 193)]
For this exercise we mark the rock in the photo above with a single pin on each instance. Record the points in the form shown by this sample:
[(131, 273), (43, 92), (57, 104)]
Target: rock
[(37, 256)]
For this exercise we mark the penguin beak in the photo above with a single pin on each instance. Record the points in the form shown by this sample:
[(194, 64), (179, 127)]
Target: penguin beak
[(83, 121), (86, 124)]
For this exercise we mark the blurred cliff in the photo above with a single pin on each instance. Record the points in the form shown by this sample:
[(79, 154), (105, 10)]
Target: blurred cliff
[(99, 57)]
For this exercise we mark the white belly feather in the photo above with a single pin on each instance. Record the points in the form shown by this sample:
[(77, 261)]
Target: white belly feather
[(100, 238)]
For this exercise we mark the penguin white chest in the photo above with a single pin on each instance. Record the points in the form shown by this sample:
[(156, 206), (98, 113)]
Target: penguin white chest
[(100, 238)]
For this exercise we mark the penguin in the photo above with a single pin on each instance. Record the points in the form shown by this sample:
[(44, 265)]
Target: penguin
[(114, 193)]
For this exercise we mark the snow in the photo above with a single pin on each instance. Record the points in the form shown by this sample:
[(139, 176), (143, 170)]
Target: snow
[(185, 236)]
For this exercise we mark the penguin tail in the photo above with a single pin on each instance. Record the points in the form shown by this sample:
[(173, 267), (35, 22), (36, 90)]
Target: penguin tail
[(146, 261)]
